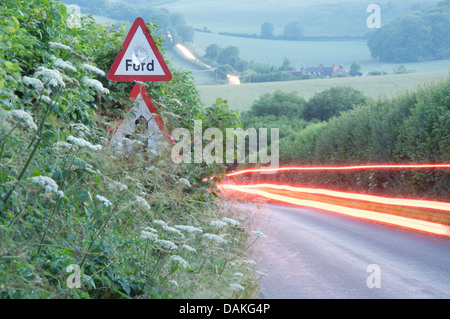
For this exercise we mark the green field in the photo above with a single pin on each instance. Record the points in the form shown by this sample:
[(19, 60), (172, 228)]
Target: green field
[(310, 53), (241, 97)]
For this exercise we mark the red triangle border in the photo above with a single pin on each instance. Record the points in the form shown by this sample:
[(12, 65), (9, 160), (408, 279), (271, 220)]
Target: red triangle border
[(139, 22)]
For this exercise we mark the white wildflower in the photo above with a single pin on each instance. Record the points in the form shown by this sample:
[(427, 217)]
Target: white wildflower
[(60, 63), (236, 286), (117, 186), (259, 234), (261, 274), (47, 99), (142, 202), (49, 185), (83, 143), (215, 238), (23, 118), (50, 77), (189, 248), (167, 244), (230, 221), (35, 83), (188, 228), (104, 200), (239, 274), (160, 223), (173, 230), (95, 84), (218, 223), (184, 182), (147, 228), (81, 129), (173, 282), (148, 236), (59, 45), (93, 69), (60, 193), (180, 261)]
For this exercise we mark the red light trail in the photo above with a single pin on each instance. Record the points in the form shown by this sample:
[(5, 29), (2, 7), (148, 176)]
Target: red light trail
[(411, 223), (427, 204), (338, 168)]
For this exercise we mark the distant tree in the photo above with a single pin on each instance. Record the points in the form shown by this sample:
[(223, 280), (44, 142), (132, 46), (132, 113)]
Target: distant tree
[(229, 55), (326, 104), (355, 68), (287, 66), (267, 30), (416, 37), (212, 51), (278, 104), (185, 32), (293, 31)]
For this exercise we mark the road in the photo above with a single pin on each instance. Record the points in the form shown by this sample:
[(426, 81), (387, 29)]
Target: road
[(312, 254)]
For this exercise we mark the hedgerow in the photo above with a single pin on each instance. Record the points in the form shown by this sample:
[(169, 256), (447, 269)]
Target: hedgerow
[(132, 224)]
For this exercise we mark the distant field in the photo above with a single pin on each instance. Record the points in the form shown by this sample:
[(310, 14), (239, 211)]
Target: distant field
[(241, 97), (318, 16), (310, 53)]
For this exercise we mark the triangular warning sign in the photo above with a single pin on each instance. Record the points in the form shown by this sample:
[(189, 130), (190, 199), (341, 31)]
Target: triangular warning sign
[(139, 59), (143, 125)]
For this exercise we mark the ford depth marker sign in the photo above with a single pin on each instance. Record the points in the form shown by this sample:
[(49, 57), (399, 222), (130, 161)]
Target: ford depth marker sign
[(139, 59)]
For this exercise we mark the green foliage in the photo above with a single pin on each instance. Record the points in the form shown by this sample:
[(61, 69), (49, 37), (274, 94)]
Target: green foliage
[(267, 30), (68, 198), (279, 104), (123, 10), (331, 102), (410, 128), (416, 37), (293, 31)]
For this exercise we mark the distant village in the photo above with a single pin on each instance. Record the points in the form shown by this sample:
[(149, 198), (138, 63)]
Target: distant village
[(322, 71)]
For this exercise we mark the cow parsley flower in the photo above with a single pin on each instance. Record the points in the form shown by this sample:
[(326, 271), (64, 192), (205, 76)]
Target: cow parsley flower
[(218, 223), (35, 83), (23, 118), (59, 45), (188, 228), (180, 261), (50, 77), (259, 234), (147, 228), (81, 129), (238, 274), (189, 248), (104, 200), (231, 221), (167, 244), (146, 235), (47, 99), (160, 223), (215, 238), (142, 202), (95, 84), (93, 69), (118, 186), (83, 143), (60, 63), (49, 185), (262, 274), (173, 230), (236, 286)]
